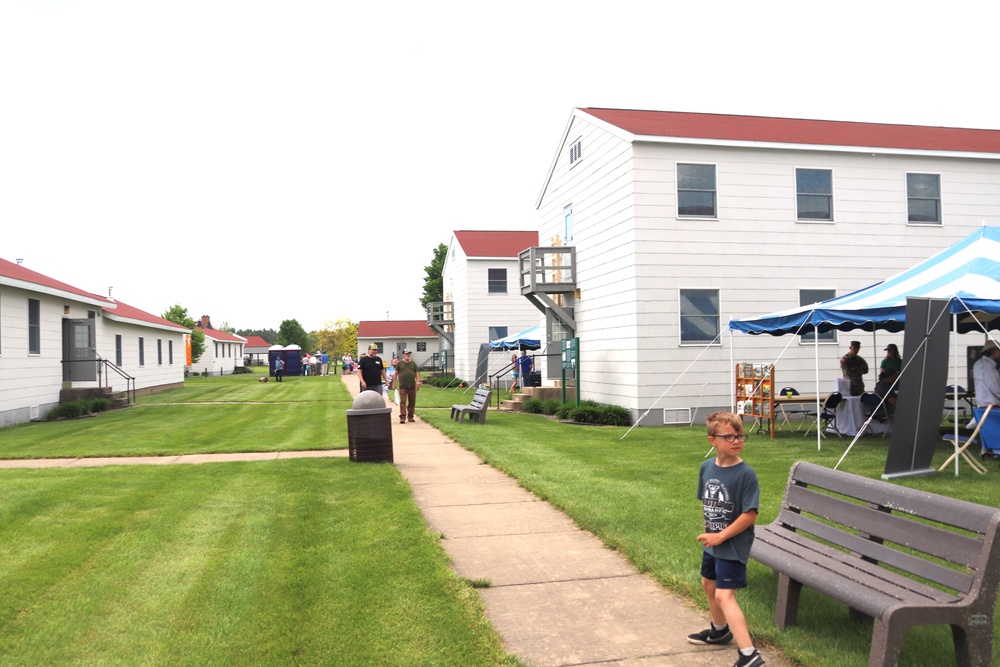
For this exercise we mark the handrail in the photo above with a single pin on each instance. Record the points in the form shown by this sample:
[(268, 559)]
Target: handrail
[(129, 380)]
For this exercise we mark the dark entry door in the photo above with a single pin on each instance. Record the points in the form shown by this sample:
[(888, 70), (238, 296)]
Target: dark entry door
[(79, 351)]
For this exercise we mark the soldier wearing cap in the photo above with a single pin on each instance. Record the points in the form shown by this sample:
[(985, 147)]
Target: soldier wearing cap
[(986, 376), (407, 381), (853, 367), (371, 370)]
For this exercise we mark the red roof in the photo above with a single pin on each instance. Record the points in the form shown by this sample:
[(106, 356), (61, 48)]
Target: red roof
[(256, 341), (495, 244), (395, 329), (123, 310), (20, 272), (219, 335), (798, 131)]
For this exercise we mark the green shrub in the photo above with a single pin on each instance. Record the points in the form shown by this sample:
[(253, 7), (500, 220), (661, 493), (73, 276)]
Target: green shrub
[(586, 414), (549, 406), (442, 381), (564, 411), (100, 405), (67, 410), (533, 406), (615, 415)]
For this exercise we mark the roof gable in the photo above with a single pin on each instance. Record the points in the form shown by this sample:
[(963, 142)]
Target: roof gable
[(495, 243), (721, 127), (395, 329)]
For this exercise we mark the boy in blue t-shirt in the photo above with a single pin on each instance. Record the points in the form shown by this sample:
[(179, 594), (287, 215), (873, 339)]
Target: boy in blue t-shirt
[(729, 495)]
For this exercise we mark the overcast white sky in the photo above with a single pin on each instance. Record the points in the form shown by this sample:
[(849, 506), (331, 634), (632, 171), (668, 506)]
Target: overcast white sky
[(260, 161)]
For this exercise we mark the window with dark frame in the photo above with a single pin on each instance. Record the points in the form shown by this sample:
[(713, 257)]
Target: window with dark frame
[(497, 279), (923, 198), (496, 333), (696, 190), (699, 315), (142, 351), (811, 296), (159, 351), (814, 194), (170, 352), (34, 326), (118, 350)]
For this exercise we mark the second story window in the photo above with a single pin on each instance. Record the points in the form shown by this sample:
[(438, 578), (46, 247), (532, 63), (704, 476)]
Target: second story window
[(814, 194), (696, 190), (568, 222), (497, 279), (923, 198)]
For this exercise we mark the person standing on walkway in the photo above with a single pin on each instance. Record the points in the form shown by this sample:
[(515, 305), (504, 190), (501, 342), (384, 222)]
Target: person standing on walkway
[(407, 381), (279, 369), (371, 370), (729, 495)]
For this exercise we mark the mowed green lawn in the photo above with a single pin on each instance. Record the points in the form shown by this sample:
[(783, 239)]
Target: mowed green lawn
[(637, 494), (290, 562)]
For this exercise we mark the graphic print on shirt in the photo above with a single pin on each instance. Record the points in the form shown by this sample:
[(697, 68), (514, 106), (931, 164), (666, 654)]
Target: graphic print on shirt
[(716, 505)]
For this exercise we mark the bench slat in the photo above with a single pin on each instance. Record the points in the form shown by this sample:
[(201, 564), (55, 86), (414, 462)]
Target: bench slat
[(931, 540), (948, 511), (939, 574), (855, 582)]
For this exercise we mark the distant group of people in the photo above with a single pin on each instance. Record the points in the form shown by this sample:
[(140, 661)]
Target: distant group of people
[(316, 364), (348, 366)]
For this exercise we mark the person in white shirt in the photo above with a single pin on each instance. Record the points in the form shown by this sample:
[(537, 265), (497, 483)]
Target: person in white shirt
[(987, 377)]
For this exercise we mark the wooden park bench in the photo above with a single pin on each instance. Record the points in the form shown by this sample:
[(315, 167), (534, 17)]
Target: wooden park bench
[(900, 556), (476, 410)]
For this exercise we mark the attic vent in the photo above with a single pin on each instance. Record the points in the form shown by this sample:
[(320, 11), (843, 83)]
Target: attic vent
[(576, 151)]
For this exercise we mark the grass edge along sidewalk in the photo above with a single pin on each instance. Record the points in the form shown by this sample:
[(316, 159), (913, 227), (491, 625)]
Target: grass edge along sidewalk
[(638, 495)]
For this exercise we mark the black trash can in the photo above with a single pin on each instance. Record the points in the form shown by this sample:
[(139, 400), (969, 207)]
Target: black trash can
[(369, 431), (535, 379)]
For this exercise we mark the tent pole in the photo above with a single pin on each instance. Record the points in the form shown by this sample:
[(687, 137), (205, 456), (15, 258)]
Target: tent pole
[(732, 376), (954, 394), (819, 409)]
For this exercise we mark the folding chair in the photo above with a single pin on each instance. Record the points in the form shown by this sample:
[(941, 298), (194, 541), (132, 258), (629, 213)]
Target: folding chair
[(828, 415), (872, 407), (783, 411), (982, 418), (951, 404)]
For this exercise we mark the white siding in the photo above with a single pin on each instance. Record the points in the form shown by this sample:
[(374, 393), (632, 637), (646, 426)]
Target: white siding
[(466, 284), (634, 254)]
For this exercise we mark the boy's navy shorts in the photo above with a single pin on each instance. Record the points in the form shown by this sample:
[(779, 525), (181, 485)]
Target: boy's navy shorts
[(725, 573)]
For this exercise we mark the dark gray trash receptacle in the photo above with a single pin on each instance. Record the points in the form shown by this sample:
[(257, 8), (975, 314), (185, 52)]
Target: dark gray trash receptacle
[(369, 429)]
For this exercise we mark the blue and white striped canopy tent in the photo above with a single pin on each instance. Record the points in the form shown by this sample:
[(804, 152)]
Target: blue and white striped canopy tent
[(967, 274), (529, 339)]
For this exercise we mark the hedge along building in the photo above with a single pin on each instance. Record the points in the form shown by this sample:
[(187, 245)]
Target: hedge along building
[(668, 224), (54, 336)]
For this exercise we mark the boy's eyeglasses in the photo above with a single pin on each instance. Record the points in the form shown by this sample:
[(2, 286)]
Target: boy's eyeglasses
[(730, 439)]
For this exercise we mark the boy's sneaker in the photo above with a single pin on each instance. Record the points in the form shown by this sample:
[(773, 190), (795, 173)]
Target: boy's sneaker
[(752, 660), (710, 636)]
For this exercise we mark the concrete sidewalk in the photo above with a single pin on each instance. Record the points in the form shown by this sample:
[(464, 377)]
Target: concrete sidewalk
[(557, 596)]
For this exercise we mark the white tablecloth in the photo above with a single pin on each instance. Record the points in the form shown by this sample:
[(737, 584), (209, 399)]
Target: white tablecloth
[(851, 418)]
